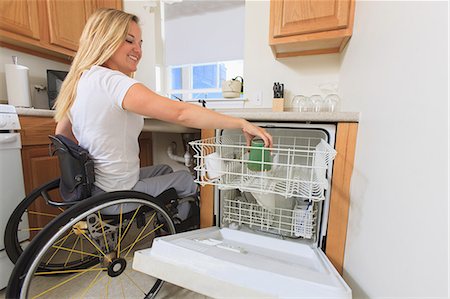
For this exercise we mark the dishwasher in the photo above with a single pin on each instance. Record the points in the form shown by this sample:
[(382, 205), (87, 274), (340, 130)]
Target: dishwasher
[(271, 220)]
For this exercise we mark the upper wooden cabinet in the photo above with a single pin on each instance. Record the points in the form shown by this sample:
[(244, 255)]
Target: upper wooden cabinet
[(65, 33), (49, 28), (20, 17), (303, 27)]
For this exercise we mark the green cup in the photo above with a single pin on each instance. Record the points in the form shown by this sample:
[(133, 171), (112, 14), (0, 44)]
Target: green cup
[(260, 156)]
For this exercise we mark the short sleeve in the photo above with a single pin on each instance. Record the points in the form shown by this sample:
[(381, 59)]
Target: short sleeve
[(116, 85)]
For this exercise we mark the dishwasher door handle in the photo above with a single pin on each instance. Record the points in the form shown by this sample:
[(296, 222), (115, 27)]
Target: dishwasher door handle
[(8, 138)]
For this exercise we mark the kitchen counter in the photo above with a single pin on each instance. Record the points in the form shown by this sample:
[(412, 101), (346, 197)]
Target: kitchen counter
[(251, 114)]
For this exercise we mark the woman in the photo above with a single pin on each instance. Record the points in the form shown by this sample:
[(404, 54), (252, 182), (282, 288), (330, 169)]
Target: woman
[(101, 107)]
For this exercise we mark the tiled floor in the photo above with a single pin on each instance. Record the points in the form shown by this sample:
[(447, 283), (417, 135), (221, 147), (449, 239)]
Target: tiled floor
[(168, 291)]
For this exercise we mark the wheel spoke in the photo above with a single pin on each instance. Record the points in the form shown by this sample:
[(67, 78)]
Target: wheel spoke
[(81, 247), (70, 254), (93, 282), (75, 251), (145, 236), (128, 226), (107, 286), (69, 271), (63, 238), (41, 214), (103, 231), (56, 251), (120, 232), (121, 286), (142, 231), (134, 282), (29, 229), (64, 282), (93, 243)]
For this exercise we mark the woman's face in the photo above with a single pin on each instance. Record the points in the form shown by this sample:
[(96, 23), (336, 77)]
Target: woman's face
[(127, 56)]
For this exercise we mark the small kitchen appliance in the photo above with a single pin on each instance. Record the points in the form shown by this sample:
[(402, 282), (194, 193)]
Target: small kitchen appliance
[(17, 84), (54, 81)]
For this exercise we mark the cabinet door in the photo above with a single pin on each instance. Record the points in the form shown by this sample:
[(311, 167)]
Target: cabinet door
[(145, 149), (294, 17), (66, 22), (20, 17), (93, 5), (39, 168)]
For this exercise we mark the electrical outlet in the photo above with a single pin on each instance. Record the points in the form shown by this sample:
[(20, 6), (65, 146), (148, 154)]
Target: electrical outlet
[(258, 98)]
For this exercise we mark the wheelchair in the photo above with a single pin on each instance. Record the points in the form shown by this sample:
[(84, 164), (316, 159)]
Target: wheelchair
[(87, 249)]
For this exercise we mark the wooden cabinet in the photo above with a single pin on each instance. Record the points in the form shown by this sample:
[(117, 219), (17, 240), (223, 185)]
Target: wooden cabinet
[(339, 198), (302, 27), (50, 29), (62, 32), (20, 17), (38, 167), (145, 149)]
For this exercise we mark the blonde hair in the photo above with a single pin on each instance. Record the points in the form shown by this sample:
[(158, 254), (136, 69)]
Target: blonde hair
[(104, 32)]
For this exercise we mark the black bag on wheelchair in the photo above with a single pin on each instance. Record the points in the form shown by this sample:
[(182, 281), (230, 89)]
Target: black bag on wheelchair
[(77, 169)]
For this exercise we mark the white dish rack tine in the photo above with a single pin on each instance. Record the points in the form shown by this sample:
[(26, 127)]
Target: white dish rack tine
[(298, 167)]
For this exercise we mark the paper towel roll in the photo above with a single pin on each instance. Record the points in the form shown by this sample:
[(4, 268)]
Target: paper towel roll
[(17, 85)]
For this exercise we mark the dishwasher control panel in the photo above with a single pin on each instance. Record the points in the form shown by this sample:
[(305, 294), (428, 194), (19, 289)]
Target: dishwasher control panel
[(9, 120)]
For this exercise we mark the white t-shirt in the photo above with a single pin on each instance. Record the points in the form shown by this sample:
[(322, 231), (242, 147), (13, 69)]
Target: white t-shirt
[(105, 129)]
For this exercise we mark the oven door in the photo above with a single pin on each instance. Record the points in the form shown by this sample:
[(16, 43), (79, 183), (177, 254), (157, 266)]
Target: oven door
[(229, 263)]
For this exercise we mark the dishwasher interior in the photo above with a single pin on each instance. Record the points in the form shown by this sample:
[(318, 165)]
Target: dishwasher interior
[(288, 201)]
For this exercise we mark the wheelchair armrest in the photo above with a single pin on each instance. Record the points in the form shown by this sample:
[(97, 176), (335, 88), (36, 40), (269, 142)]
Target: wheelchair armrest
[(50, 202)]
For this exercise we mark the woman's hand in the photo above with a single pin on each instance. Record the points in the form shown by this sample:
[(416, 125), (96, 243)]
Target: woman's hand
[(251, 131)]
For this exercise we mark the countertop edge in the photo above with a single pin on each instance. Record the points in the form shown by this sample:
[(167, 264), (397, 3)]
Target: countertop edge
[(251, 115)]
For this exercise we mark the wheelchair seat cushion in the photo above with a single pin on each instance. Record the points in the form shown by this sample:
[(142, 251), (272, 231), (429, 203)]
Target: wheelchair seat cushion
[(76, 167)]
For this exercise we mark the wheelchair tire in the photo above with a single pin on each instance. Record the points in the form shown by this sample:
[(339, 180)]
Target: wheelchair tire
[(130, 230), (13, 246)]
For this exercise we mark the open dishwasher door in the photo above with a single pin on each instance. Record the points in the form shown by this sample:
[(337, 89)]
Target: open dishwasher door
[(258, 250), (229, 263)]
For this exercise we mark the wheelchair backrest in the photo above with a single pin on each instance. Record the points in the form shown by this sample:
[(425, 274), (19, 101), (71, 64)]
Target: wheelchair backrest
[(76, 167)]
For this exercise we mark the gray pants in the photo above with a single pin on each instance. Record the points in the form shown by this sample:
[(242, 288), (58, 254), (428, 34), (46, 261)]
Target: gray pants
[(153, 180)]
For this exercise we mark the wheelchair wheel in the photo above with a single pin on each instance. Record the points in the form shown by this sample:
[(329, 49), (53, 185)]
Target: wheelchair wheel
[(108, 227), (28, 219)]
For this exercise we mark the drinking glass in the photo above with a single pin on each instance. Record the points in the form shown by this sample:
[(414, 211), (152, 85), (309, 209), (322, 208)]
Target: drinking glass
[(316, 102), (330, 103), (297, 102)]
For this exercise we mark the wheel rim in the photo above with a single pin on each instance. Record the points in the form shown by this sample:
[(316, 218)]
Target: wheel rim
[(112, 274), (29, 218)]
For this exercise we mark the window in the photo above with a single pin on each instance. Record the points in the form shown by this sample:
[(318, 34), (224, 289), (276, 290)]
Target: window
[(201, 81)]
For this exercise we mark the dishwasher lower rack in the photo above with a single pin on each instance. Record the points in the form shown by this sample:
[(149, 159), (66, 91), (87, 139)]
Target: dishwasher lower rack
[(299, 222), (297, 166)]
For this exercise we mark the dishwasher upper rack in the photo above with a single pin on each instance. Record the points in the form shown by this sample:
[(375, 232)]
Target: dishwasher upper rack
[(298, 168)]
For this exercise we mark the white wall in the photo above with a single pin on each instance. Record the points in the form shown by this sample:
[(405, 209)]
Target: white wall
[(207, 37), (148, 14), (300, 75), (37, 75), (395, 72)]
